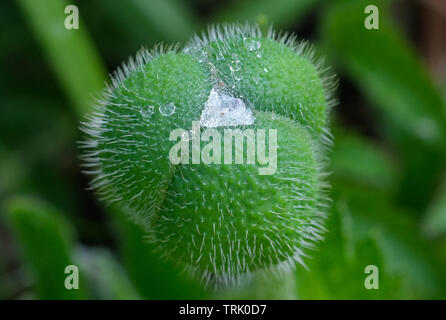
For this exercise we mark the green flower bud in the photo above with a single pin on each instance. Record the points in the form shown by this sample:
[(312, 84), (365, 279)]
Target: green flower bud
[(218, 150)]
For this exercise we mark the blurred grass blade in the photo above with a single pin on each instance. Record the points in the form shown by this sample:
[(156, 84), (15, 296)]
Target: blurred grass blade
[(172, 18), (141, 23), (12, 171), (69, 52), (46, 242), (153, 278), (361, 162), (106, 277), (282, 13), (412, 112), (365, 229), (435, 219), (263, 286)]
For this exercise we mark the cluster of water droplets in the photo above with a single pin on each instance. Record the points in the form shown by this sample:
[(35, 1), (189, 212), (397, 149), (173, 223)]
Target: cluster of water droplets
[(256, 46), (165, 110), (253, 46), (223, 108), (235, 67)]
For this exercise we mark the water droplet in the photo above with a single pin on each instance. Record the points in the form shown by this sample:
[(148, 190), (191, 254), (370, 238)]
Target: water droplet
[(167, 109), (235, 65), (252, 44), (219, 56), (259, 54), (213, 70), (147, 111), (202, 56), (266, 69), (237, 77)]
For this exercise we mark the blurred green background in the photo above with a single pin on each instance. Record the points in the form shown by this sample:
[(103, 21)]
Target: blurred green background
[(388, 163)]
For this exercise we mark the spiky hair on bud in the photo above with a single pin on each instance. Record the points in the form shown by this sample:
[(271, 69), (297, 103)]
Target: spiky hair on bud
[(221, 221)]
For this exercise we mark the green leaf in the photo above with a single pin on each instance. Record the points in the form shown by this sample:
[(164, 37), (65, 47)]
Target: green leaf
[(172, 18), (12, 171), (106, 278), (391, 76), (138, 23), (364, 229), (70, 52), (153, 278), (281, 13), (435, 217), (46, 242), (262, 286), (359, 161)]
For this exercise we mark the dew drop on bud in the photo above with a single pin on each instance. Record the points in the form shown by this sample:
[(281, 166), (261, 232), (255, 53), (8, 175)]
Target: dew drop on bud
[(237, 77), (220, 56), (147, 111), (235, 65), (167, 109), (252, 45)]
